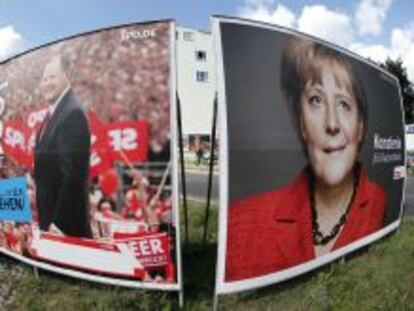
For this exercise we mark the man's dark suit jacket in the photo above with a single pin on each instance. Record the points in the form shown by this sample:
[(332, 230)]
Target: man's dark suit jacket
[(61, 169)]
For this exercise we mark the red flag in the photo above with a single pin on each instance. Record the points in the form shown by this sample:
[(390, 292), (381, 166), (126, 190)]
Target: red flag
[(128, 141), (109, 182), (35, 118), (18, 142), (100, 160)]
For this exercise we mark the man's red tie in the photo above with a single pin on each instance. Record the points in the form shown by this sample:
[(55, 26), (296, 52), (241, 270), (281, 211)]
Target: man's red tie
[(44, 125)]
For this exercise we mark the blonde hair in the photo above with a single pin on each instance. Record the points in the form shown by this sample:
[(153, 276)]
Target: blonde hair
[(303, 60)]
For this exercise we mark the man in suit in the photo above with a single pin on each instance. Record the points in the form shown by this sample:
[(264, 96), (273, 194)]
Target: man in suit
[(61, 159)]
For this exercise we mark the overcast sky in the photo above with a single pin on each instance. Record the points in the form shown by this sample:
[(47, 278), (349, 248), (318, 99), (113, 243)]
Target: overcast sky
[(372, 28)]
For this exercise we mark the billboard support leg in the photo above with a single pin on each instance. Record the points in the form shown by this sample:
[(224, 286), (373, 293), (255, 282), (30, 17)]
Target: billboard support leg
[(183, 180), (215, 302), (181, 299), (211, 166), (36, 273)]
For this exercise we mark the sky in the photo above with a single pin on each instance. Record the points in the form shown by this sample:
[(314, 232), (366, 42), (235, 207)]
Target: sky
[(372, 28)]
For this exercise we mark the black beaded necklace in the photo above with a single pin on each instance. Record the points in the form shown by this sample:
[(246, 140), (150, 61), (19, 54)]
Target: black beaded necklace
[(318, 237)]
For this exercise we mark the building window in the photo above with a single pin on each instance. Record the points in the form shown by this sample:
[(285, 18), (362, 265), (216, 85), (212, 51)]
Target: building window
[(202, 76), (201, 55), (188, 36)]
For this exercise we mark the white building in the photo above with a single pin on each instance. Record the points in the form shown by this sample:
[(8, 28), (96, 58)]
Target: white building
[(195, 80), (409, 137)]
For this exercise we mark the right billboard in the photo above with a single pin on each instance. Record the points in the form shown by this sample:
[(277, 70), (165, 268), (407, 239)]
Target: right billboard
[(313, 163)]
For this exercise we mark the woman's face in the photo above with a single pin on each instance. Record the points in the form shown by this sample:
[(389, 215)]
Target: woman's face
[(330, 125)]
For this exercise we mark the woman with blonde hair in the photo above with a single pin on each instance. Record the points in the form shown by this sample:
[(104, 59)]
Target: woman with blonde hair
[(332, 202)]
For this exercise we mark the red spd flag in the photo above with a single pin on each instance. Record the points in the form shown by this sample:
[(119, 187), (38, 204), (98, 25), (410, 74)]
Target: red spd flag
[(100, 159), (35, 118), (124, 141), (18, 142), (128, 141), (152, 250)]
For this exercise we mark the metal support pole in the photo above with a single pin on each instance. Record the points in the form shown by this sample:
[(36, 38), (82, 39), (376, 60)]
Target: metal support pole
[(183, 180), (210, 175)]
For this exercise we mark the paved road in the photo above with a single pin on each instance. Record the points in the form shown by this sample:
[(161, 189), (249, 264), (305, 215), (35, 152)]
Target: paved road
[(197, 185), (409, 197), (197, 188)]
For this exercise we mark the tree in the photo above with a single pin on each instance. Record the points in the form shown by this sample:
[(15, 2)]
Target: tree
[(397, 68)]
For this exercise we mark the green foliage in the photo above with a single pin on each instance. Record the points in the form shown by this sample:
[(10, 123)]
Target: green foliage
[(396, 67)]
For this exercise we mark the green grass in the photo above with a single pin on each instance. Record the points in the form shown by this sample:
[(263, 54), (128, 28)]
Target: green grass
[(380, 277), (191, 164)]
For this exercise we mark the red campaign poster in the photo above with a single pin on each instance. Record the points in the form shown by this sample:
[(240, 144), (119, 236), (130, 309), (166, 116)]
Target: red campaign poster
[(99, 200)]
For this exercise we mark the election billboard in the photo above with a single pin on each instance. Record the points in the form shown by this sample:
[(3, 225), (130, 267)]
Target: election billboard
[(312, 165), (88, 159)]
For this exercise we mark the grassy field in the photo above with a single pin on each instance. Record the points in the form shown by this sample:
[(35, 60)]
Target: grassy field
[(191, 164), (380, 277)]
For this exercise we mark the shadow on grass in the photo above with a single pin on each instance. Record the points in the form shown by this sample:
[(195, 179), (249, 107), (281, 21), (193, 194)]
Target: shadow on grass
[(199, 271)]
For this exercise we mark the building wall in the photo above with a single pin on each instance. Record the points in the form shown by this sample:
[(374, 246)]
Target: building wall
[(195, 80)]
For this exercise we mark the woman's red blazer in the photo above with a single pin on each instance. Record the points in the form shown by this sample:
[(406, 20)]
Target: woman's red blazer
[(272, 231)]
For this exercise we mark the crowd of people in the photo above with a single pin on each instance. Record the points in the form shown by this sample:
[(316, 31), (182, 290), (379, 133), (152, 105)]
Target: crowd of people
[(136, 207), (118, 79)]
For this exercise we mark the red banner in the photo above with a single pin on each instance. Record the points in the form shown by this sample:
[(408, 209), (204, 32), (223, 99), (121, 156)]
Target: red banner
[(124, 141), (100, 160), (35, 118), (152, 250), (18, 142), (128, 141)]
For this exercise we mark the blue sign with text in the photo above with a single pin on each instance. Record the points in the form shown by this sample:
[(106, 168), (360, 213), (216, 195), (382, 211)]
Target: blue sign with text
[(14, 201)]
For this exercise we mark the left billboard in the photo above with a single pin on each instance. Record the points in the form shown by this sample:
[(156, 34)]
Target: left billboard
[(88, 185)]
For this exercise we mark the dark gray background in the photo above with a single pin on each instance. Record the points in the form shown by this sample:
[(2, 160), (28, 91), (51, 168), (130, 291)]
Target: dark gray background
[(264, 149)]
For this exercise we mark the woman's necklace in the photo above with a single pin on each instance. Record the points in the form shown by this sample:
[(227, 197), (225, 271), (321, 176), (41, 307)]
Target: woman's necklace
[(318, 237)]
